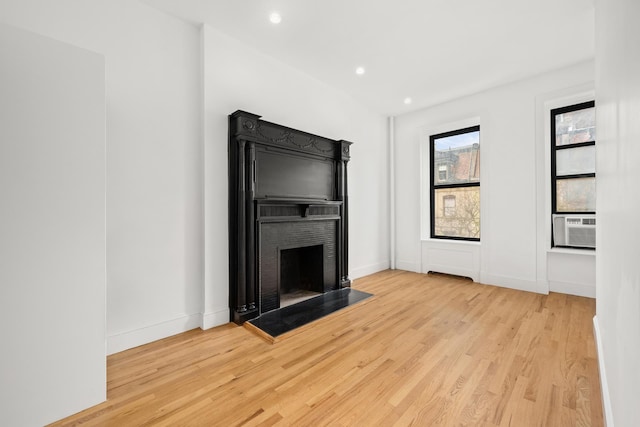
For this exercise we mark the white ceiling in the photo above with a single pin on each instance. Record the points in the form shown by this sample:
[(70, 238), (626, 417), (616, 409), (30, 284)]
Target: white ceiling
[(429, 50)]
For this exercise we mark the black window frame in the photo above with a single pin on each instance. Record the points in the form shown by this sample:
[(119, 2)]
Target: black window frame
[(435, 186), (554, 178)]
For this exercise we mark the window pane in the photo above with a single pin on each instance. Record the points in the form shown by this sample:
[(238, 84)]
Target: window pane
[(457, 159), (576, 195), (573, 161), (576, 126), (457, 212)]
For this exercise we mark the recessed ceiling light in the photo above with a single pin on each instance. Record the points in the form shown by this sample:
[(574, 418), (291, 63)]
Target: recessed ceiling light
[(275, 18), (360, 71), (407, 101)]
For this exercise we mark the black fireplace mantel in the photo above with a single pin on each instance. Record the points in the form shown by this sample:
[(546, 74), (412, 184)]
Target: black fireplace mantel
[(291, 180)]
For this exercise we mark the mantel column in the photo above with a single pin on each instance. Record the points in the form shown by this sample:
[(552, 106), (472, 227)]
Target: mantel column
[(343, 195), (250, 225), (241, 285)]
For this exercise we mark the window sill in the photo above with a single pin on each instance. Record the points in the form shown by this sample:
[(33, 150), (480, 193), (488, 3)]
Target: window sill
[(452, 242), (570, 251)]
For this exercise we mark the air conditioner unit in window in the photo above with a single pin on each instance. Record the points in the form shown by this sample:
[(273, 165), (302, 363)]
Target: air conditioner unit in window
[(574, 230)]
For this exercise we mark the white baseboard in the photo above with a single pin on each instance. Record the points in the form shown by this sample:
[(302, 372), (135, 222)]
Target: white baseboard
[(358, 272), (214, 318), (573, 289), (543, 284), (604, 386), (513, 283), (126, 340), (408, 266)]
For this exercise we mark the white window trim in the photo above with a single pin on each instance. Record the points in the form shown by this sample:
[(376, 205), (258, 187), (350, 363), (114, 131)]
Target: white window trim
[(544, 104), (548, 106)]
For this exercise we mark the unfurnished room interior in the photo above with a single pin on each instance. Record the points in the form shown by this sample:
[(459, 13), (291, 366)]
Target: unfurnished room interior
[(320, 213)]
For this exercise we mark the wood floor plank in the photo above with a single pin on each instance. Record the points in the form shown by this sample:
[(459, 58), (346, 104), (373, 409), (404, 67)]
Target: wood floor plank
[(425, 350)]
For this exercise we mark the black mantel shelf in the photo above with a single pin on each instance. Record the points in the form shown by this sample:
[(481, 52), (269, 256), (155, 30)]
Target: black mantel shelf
[(282, 182)]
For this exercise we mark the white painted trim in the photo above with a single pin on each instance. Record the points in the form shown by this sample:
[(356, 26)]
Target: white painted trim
[(427, 131), (446, 242), (126, 340), (392, 193), (543, 284), (604, 386), (214, 318), (570, 251), (408, 266), (577, 289), (456, 261), (356, 273), (447, 269), (514, 283), (544, 103)]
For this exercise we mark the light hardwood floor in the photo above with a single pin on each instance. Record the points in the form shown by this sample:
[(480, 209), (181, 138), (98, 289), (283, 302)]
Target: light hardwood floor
[(425, 350)]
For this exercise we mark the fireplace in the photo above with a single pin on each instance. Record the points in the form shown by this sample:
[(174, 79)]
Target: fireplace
[(294, 252), (301, 274), (288, 218)]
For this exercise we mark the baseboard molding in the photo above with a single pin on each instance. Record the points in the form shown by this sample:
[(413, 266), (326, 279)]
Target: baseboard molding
[(513, 283), (543, 284), (214, 318), (573, 289), (358, 272), (126, 340), (604, 386), (408, 266)]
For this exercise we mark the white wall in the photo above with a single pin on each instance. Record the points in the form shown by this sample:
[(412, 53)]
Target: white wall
[(618, 155), (154, 160), (52, 229), (236, 77), (511, 135), (155, 91)]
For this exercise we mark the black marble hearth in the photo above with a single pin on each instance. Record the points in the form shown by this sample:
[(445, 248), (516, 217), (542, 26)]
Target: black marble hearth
[(280, 321)]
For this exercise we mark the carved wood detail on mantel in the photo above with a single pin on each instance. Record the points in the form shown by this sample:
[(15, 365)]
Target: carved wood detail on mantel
[(250, 128)]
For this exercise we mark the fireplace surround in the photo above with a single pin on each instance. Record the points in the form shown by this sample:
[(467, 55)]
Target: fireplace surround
[(288, 214)]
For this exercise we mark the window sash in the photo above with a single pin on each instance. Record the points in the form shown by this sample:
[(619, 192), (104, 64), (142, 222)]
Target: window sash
[(467, 186), (557, 178)]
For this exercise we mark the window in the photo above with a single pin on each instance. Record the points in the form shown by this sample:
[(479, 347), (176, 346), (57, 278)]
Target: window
[(455, 184), (573, 173), (449, 203), (442, 173)]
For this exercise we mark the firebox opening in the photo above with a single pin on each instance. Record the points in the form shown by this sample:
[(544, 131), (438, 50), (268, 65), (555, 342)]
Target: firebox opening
[(301, 274)]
